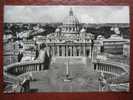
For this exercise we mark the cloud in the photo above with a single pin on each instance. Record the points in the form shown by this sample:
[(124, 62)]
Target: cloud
[(87, 14)]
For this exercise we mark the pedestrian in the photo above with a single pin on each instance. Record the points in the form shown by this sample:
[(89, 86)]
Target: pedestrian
[(20, 56)]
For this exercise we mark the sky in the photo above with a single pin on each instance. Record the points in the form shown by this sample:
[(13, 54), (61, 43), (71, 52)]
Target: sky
[(85, 14)]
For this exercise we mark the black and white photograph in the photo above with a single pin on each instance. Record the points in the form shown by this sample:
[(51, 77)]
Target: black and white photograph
[(58, 48)]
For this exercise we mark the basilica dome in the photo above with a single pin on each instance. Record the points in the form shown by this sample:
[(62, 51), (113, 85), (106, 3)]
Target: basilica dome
[(70, 24), (71, 19)]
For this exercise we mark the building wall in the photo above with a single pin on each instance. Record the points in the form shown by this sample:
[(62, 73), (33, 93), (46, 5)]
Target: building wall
[(113, 47)]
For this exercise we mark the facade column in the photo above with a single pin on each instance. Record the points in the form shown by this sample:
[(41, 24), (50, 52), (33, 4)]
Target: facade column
[(63, 51), (79, 51), (66, 50), (98, 67), (111, 69), (31, 68), (16, 69), (90, 52), (108, 68), (53, 51), (103, 67), (37, 67), (74, 51), (42, 66), (27, 68), (58, 51), (70, 51), (84, 50)]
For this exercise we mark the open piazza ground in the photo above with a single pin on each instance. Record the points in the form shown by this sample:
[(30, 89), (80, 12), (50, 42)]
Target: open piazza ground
[(83, 78)]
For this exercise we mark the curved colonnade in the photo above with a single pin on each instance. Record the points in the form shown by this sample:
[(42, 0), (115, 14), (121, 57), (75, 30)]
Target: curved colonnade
[(23, 67), (112, 70)]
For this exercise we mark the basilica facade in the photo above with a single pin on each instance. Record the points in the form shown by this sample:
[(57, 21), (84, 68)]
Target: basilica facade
[(70, 39)]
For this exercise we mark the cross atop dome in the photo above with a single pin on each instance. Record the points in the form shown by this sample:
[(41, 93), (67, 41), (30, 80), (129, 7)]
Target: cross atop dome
[(71, 12)]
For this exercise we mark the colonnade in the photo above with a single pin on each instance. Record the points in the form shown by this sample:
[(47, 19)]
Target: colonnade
[(17, 68), (108, 68), (70, 50), (27, 68)]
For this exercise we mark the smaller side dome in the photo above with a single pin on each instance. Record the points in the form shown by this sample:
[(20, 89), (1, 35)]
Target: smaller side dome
[(115, 36), (117, 30), (57, 30), (83, 30), (100, 37)]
